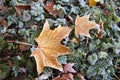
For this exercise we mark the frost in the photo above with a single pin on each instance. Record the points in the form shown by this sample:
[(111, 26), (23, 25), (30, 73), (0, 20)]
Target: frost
[(102, 55)]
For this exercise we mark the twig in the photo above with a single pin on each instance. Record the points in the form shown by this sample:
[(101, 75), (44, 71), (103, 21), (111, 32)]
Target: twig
[(116, 76), (19, 42)]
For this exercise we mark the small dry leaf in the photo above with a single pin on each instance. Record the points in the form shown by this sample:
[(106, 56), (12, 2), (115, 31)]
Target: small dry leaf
[(3, 8), (4, 22), (68, 68), (68, 76), (80, 76), (10, 63), (22, 47), (101, 29), (83, 25), (49, 47), (117, 67), (93, 2), (19, 8), (23, 6), (74, 40), (59, 78), (68, 18), (50, 9)]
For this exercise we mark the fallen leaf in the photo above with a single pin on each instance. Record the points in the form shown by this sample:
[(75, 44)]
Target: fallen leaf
[(74, 40), (4, 22), (22, 47), (68, 76), (93, 2), (80, 76), (68, 18), (68, 68), (49, 47), (23, 6), (65, 76), (19, 8), (59, 78), (10, 63), (50, 9), (117, 67), (83, 25), (101, 29), (2, 8)]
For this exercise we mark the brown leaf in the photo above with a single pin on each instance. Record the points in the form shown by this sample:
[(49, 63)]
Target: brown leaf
[(4, 22), (22, 47), (68, 18), (19, 8), (68, 68), (23, 6), (59, 78), (101, 29), (117, 67), (74, 40), (101, 25), (49, 47), (50, 9), (10, 63), (3, 8), (80, 76), (68, 76), (83, 25)]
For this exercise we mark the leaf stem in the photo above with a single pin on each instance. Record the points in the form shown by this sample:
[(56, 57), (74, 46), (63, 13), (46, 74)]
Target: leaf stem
[(24, 43), (116, 76)]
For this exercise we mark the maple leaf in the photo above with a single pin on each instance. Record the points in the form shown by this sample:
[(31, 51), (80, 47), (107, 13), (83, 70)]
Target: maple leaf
[(68, 68), (50, 9), (93, 2), (83, 25), (49, 47)]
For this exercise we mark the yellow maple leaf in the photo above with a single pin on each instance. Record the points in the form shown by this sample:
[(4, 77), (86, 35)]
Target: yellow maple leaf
[(93, 2), (83, 25), (49, 47)]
